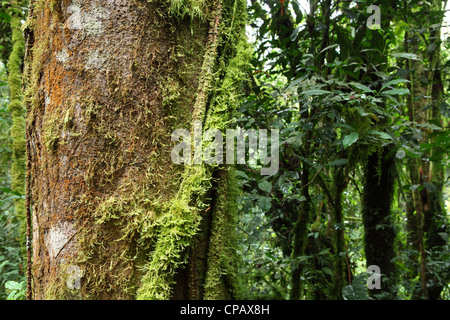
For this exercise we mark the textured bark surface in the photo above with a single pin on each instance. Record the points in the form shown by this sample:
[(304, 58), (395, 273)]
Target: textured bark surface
[(108, 83), (379, 233)]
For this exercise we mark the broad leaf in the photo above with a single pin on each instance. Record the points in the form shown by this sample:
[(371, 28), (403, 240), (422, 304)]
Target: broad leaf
[(397, 92), (393, 82), (362, 87), (315, 92), (350, 139), (406, 55), (265, 186)]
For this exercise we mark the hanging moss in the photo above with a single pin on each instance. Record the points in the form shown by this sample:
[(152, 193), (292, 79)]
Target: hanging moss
[(17, 110), (192, 8), (181, 223)]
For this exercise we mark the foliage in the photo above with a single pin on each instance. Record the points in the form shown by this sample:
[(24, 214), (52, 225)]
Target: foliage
[(318, 79)]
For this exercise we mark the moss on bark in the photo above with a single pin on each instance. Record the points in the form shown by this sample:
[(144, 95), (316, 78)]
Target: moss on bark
[(17, 110), (103, 181)]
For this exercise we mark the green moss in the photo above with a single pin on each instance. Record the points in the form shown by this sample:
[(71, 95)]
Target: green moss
[(221, 275), (179, 225), (17, 110), (192, 8)]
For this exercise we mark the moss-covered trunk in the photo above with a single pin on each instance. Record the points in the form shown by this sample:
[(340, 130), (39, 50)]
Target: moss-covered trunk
[(107, 85), (17, 111), (379, 233)]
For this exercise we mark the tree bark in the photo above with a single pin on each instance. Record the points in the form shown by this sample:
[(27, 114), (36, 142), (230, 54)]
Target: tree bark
[(379, 231), (107, 84)]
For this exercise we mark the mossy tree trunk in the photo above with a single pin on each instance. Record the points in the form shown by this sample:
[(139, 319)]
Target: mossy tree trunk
[(378, 185), (107, 85), (379, 233), (17, 110)]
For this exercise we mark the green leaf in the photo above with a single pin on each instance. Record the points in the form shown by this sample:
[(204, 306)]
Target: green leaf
[(295, 34), (265, 203), (242, 174), (13, 285), (362, 87), (406, 55), (397, 92), (429, 125), (430, 187), (339, 162), (327, 271), (316, 92), (329, 47), (350, 139), (5, 16), (265, 186), (358, 289), (382, 135), (393, 82)]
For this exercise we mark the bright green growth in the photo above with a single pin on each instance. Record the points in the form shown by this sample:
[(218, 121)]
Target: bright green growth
[(193, 8), (17, 110), (179, 225)]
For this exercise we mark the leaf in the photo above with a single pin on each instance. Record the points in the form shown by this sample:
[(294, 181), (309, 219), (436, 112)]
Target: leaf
[(316, 92), (350, 139), (327, 271), (358, 289), (362, 87), (265, 203), (406, 55), (5, 16), (397, 92), (265, 186), (339, 162), (242, 174), (393, 82), (13, 285), (444, 236), (429, 125), (295, 34), (382, 135), (430, 187), (329, 47)]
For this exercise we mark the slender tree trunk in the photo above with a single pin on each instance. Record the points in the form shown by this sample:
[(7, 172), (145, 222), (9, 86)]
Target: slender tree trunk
[(339, 240), (378, 228), (107, 85)]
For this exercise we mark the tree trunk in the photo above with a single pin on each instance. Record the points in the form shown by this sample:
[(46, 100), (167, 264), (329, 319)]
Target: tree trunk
[(426, 215), (107, 84), (379, 231)]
